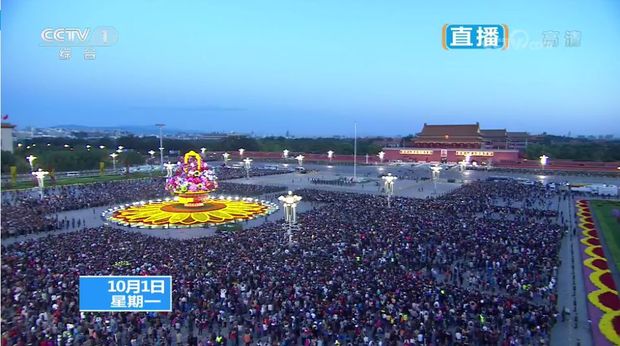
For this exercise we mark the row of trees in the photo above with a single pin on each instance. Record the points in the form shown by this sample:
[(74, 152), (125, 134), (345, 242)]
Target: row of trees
[(72, 154), (55, 159), (576, 150)]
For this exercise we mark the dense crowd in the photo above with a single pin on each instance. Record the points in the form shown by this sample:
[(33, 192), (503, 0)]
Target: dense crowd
[(338, 182), (225, 173), (24, 212), (444, 271)]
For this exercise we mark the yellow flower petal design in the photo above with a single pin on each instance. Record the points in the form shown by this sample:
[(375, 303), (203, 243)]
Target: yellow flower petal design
[(175, 214)]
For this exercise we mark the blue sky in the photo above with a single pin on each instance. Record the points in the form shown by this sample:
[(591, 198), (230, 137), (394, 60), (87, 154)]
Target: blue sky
[(313, 67)]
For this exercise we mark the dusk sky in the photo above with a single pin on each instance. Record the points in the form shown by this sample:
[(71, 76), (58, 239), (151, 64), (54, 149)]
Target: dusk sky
[(313, 67)]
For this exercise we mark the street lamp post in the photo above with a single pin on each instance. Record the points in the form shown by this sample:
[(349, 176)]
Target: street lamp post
[(381, 156), (543, 161), (290, 202), (247, 163), (366, 158), (285, 154), (330, 155), (241, 151), (31, 159), (388, 183), (114, 156), (300, 159), (203, 150), (40, 175), (152, 153), (161, 145), (169, 167), (226, 157), (436, 171)]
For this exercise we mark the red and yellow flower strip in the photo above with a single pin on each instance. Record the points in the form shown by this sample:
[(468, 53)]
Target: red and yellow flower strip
[(604, 306)]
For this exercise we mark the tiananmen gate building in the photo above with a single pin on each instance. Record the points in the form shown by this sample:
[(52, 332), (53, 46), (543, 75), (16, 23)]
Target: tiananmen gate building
[(451, 143)]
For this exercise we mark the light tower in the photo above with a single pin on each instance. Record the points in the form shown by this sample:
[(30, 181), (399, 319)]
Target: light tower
[(388, 183), (247, 163), (31, 159), (161, 145), (290, 202)]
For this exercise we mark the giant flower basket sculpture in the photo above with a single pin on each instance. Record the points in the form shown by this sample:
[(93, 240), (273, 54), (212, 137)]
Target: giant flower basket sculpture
[(192, 181)]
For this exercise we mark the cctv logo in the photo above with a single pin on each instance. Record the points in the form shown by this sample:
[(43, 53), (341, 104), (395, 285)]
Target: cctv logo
[(62, 35), (100, 36)]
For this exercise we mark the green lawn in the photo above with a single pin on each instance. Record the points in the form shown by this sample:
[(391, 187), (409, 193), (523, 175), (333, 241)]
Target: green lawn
[(76, 180), (609, 226)]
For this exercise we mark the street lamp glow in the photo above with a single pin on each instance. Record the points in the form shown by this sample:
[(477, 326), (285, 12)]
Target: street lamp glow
[(300, 159), (381, 156), (543, 160), (102, 147), (31, 159), (388, 183), (226, 156), (463, 164), (202, 150), (114, 156), (66, 145), (88, 147), (330, 155), (169, 167), (40, 175), (241, 151), (285, 153), (290, 202), (436, 170), (152, 153), (247, 163)]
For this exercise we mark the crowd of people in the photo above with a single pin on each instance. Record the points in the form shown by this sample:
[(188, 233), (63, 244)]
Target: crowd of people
[(338, 182), (24, 212), (443, 271)]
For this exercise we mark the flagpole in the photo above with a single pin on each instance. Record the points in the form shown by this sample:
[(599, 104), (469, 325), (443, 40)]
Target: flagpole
[(355, 153)]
